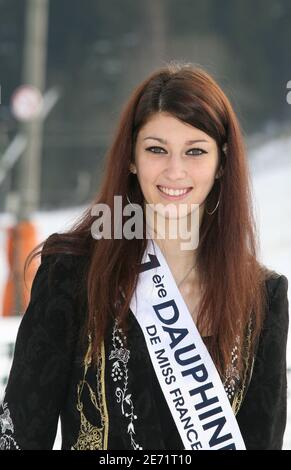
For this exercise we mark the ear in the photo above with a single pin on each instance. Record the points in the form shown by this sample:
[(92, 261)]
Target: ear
[(132, 168)]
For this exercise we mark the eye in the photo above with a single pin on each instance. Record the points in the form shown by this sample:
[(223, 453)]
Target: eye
[(161, 150), (197, 149), (150, 149)]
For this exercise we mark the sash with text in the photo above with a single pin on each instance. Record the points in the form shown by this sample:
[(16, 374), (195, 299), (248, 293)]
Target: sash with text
[(187, 375)]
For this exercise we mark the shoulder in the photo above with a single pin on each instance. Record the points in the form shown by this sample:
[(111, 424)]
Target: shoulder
[(63, 253), (262, 416), (276, 283), (61, 268), (56, 305), (277, 299), (272, 341)]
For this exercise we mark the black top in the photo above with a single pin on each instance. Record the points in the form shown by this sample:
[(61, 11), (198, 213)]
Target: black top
[(119, 404)]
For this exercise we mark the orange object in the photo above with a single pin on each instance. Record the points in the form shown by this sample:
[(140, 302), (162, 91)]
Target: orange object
[(21, 239)]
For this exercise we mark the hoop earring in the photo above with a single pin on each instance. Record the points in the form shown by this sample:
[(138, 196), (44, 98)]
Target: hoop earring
[(129, 201), (212, 212)]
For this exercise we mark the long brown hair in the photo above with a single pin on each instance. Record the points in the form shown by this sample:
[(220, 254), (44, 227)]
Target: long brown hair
[(227, 252)]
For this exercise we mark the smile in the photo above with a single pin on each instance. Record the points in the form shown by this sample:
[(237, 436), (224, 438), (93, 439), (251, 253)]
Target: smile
[(171, 193)]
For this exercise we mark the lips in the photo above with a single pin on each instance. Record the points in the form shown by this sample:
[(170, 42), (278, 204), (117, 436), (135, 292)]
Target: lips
[(173, 196)]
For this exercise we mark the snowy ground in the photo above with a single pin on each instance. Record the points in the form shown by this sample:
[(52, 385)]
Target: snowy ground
[(271, 175)]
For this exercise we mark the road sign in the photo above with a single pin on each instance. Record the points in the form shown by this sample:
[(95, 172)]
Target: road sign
[(26, 103)]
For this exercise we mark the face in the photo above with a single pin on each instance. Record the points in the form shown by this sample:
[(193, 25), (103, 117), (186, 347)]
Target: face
[(175, 162)]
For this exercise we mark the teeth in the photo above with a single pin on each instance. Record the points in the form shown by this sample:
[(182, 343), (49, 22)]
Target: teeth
[(173, 192)]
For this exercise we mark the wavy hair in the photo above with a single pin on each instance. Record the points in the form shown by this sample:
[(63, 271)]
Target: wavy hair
[(227, 258)]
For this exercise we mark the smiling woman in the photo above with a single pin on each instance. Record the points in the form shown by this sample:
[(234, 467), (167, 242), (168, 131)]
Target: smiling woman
[(176, 171), (138, 343)]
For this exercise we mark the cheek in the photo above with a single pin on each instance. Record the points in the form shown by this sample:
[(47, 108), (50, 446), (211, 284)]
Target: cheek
[(204, 175), (147, 173), (145, 178), (203, 183)]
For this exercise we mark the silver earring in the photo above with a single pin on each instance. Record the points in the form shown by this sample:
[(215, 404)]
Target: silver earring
[(212, 212), (129, 202)]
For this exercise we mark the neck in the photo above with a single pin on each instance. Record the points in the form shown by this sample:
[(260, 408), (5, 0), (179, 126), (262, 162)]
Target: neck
[(179, 250), (179, 261)]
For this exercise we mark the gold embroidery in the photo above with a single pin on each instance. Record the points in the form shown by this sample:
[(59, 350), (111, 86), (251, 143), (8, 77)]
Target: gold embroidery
[(232, 376), (239, 396), (103, 400), (93, 437)]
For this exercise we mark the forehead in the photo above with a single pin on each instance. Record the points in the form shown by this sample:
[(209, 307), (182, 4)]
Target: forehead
[(166, 126)]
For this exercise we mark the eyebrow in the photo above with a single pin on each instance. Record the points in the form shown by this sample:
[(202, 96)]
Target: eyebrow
[(188, 142)]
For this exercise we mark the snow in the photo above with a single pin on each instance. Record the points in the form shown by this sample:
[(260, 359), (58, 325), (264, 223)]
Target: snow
[(271, 178), (271, 196)]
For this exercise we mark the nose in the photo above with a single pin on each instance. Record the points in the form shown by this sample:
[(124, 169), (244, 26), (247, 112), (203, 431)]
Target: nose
[(175, 168)]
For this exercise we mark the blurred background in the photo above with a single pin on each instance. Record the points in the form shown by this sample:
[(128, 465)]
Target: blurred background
[(66, 69)]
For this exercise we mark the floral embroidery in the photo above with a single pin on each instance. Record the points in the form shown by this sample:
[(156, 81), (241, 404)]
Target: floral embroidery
[(119, 374), (7, 442)]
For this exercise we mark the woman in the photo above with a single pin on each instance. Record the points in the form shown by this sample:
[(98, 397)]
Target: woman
[(137, 342)]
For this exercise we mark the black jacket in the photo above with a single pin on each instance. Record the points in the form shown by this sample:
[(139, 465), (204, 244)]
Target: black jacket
[(119, 405)]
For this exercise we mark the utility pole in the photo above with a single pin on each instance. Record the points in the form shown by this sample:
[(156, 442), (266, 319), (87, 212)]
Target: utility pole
[(34, 72), (29, 176)]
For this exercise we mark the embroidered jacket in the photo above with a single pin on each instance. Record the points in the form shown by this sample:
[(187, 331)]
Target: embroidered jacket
[(119, 404)]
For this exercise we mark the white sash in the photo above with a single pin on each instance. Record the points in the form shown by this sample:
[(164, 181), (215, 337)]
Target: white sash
[(186, 373)]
